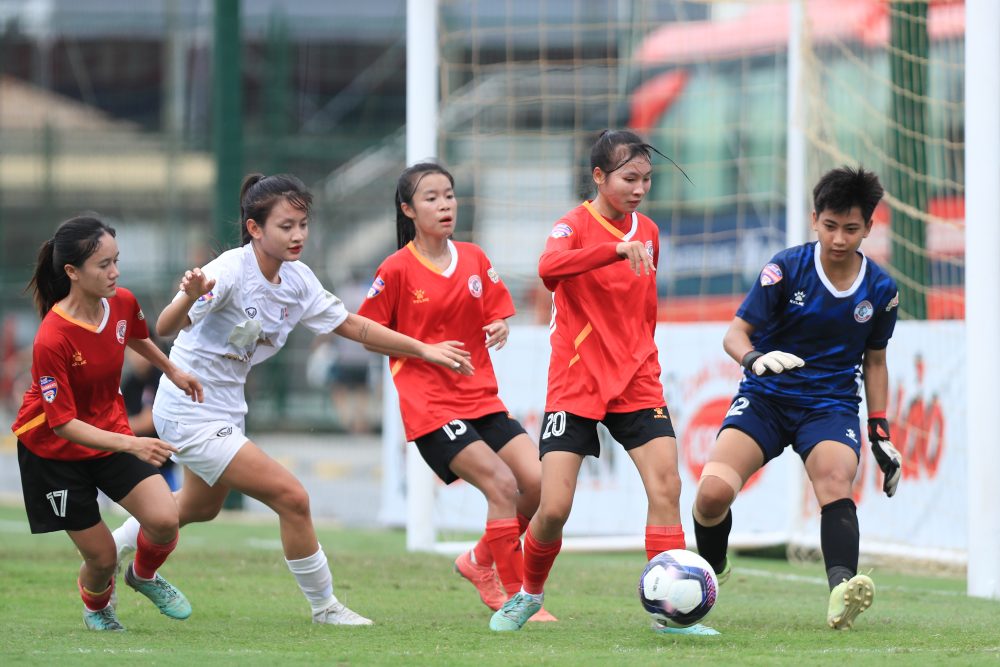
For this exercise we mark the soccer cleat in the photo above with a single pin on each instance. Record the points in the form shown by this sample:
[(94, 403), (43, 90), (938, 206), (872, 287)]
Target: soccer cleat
[(484, 578), (542, 616), (515, 612), (338, 614), (848, 599), (105, 619), (696, 629), (170, 601), (727, 571)]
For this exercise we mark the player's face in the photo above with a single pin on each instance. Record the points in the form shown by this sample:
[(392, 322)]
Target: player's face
[(840, 234), (284, 234), (625, 188), (98, 277), (435, 208)]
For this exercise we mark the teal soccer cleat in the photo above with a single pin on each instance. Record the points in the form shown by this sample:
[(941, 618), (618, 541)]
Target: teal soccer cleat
[(105, 619), (696, 629), (515, 612), (170, 601)]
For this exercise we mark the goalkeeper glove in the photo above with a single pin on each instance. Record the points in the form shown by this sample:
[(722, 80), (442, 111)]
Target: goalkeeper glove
[(771, 363), (886, 456)]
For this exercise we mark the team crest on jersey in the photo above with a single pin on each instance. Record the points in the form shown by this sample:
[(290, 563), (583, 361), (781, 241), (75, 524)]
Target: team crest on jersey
[(494, 276), (250, 311), (475, 286), (561, 231), (893, 303), (284, 313), (207, 296), (863, 311), (770, 275), (47, 384), (120, 331), (377, 286)]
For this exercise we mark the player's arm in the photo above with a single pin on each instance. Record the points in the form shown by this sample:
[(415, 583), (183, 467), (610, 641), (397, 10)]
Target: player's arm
[(194, 284), (559, 263), (737, 345), (150, 450), (186, 382), (384, 340), (876, 374)]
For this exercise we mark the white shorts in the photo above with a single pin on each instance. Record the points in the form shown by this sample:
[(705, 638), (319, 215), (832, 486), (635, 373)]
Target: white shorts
[(206, 447)]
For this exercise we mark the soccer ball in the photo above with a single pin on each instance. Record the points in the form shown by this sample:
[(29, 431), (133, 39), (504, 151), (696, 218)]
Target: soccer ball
[(678, 588)]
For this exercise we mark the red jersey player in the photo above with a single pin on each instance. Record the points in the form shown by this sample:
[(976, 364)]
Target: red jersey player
[(72, 431), (600, 263), (433, 288)]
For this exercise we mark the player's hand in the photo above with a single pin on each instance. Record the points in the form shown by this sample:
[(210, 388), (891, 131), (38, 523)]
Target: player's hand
[(151, 450), (196, 284), (189, 384), (771, 363), (496, 333), (886, 456), (451, 355), (639, 260)]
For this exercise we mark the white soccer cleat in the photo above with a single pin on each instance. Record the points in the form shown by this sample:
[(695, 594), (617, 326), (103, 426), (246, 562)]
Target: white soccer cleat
[(338, 614)]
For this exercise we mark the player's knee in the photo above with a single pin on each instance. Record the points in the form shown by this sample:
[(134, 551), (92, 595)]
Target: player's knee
[(716, 492), (295, 501)]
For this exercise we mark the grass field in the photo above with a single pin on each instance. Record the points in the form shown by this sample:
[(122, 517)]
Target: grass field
[(248, 611)]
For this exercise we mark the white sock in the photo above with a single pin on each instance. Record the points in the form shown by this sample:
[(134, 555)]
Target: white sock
[(313, 576), (127, 534), (534, 597)]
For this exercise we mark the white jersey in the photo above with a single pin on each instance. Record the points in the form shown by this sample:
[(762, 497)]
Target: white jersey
[(244, 320)]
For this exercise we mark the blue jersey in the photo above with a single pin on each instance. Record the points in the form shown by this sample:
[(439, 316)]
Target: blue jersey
[(794, 308)]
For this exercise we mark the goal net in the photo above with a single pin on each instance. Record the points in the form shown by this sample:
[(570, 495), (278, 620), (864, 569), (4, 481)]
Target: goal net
[(526, 87)]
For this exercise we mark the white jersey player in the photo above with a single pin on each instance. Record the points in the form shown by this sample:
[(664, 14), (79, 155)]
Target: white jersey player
[(234, 313)]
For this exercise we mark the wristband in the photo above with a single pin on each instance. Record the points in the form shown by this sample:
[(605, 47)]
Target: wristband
[(749, 358)]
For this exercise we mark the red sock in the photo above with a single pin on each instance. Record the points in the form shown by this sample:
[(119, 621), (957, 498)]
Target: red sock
[(522, 523), (538, 560), (96, 601), (663, 538), (481, 552), (505, 542), (149, 556)]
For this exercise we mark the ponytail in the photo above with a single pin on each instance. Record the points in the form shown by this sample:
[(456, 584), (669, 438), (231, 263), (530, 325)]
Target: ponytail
[(75, 240)]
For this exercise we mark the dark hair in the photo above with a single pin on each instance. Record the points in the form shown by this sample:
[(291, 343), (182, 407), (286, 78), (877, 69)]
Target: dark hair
[(259, 194), (407, 184), (839, 190), (616, 148), (74, 242)]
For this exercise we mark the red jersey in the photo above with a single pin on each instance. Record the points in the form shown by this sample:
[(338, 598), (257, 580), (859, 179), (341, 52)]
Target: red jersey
[(413, 297), (76, 371), (603, 316)]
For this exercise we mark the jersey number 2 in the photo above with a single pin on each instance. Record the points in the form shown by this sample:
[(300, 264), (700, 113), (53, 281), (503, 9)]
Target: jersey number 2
[(738, 406)]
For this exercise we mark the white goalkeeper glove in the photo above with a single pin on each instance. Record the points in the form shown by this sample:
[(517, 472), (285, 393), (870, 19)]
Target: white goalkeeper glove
[(886, 456), (771, 363)]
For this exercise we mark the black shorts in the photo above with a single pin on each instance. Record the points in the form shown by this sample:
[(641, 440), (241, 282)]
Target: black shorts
[(565, 432), (439, 447), (62, 495)]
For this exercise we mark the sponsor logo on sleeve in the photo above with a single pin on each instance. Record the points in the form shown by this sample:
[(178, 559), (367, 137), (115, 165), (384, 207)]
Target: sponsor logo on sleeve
[(141, 316), (649, 249), (863, 311), (494, 276), (207, 296), (47, 384), (561, 231), (475, 286), (771, 275), (377, 286), (250, 311), (120, 329)]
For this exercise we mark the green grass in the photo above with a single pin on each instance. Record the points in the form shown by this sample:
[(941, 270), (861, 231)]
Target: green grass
[(248, 611)]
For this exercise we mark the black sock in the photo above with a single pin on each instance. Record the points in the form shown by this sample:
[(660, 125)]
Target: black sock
[(839, 537), (713, 541)]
